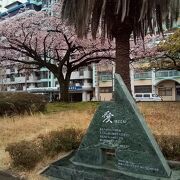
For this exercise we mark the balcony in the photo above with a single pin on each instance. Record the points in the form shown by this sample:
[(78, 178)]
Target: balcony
[(36, 2), (143, 75), (168, 74), (20, 79), (86, 74), (42, 89), (158, 75), (33, 79), (105, 78)]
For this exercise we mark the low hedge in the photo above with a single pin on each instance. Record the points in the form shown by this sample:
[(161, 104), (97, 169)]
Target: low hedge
[(57, 141), (26, 154), (21, 103)]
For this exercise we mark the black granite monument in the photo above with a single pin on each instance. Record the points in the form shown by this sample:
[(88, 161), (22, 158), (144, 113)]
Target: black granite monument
[(118, 145)]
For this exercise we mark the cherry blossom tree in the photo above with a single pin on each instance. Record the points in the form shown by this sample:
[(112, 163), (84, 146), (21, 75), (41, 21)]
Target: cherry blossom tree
[(144, 48), (47, 42)]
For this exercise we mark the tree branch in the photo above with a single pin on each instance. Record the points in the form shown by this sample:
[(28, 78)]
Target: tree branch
[(91, 60)]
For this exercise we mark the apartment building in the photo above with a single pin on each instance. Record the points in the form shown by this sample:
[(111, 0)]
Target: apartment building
[(103, 81), (165, 83), (43, 82), (4, 3), (10, 8)]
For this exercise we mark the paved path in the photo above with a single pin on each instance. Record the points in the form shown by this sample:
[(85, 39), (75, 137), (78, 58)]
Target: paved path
[(5, 176)]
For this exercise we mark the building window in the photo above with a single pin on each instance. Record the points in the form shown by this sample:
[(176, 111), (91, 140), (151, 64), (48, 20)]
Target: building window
[(105, 76), (12, 70), (89, 80), (19, 87), (138, 95), (81, 71), (44, 75), (106, 90), (43, 84), (165, 91), (8, 76), (146, 95), (143, 89), (178, 91), (75, 82), (12, 77), (37, 75)]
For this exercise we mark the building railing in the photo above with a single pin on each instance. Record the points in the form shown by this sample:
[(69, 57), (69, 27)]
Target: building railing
[(36, 2), (170, 73), (106, 77), (143, 75), (158, 74)]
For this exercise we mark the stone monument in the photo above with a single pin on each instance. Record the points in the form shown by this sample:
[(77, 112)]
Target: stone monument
[(118, 145)]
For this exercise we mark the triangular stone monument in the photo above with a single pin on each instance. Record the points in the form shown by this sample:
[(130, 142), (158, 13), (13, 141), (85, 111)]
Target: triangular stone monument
[(118, 145)]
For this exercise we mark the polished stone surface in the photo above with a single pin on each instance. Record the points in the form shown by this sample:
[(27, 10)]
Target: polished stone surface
[(118, 145), (64, 169), (7, 176)]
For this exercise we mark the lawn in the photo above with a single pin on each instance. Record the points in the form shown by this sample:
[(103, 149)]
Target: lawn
[(163, 118)]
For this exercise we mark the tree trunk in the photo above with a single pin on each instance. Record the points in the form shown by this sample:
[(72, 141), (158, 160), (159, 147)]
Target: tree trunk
[(64, 86), (122, 56), (64, 90)]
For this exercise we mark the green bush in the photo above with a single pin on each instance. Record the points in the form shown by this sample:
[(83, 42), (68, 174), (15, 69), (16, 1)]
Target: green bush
[(24, 154), (170, 146), (21, 103)]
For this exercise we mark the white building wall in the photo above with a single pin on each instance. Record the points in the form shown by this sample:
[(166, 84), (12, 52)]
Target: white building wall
[(4, 3)]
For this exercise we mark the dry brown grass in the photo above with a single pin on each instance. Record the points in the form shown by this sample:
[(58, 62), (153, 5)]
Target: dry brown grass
[(163, 119), (28, 127)]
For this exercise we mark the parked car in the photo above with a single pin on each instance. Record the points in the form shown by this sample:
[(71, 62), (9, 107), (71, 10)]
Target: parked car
[(147, 97)]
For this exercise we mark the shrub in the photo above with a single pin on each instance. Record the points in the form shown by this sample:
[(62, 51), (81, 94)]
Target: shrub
[(170, 146), (70, 139), (6, 108), (57, 141), (21, 103), (24, 154), (50, 143)]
